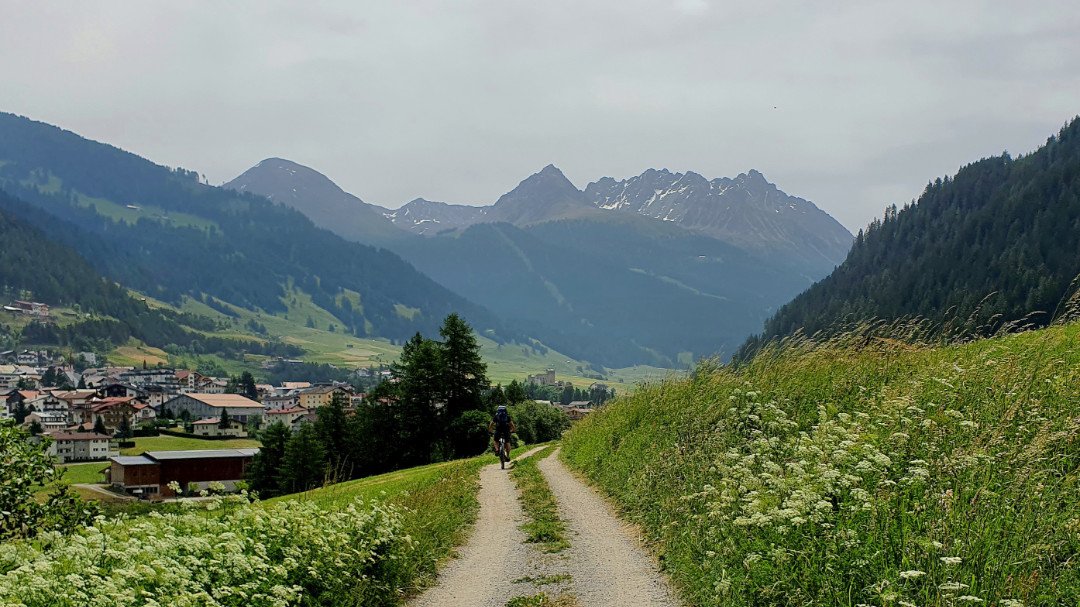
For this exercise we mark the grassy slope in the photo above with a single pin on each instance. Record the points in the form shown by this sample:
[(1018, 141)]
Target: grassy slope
[(88, 473), (937, 476), (439, 501), (505, 361), (178, 443)]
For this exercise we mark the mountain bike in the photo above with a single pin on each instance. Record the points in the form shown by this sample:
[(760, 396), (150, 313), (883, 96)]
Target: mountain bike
[(504, 453)]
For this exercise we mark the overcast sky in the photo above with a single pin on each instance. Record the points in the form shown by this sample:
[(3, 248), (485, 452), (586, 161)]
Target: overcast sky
[(853, 105)]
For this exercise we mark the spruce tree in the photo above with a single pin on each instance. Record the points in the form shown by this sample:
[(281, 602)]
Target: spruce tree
[(331, 425), (247, 386), (305, 461), (20, 413), (124, 429), (464, 372), (420, 374), (266, 468)]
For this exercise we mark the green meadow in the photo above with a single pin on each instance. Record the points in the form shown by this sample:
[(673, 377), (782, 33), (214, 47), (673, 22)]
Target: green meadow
[(858, 471)]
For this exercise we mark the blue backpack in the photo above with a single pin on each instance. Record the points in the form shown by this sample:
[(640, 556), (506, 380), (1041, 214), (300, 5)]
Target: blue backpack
[(502, 419)]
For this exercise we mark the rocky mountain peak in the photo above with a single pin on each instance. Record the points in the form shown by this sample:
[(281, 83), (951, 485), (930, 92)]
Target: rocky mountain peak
[(542, 196), (746, 211)]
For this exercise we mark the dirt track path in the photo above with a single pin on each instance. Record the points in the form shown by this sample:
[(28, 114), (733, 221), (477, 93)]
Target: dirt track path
[(495, 555), (605, 564), (609, 565)]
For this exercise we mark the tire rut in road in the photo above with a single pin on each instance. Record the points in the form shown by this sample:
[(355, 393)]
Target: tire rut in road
[(606, 559), (495, 555)]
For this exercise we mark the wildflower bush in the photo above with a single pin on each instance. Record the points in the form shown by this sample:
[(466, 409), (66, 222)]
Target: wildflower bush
[(223, 553), (885, 474), (437, 504), (25, 467)]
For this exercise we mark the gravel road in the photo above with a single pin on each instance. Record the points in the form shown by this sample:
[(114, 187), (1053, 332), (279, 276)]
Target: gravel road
[(495, 555), (608, 564), (605, 565)]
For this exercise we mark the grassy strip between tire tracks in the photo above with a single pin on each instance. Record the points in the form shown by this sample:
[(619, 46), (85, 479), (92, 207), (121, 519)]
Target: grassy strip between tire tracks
[(544, 527), (543, 600)]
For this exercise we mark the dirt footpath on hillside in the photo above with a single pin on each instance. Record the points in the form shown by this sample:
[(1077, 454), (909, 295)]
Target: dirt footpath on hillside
[(609, 565), (494, 556), (604, 565)]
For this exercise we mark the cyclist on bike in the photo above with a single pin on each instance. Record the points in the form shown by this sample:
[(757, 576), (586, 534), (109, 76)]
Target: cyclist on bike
[(502, 426)]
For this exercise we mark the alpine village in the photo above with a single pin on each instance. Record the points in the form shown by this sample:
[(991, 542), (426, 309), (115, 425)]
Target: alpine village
[(837, 367)]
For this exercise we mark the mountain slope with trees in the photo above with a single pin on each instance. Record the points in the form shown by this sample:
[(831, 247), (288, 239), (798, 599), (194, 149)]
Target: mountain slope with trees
[(995, 244), (34, 267), (162, 232)]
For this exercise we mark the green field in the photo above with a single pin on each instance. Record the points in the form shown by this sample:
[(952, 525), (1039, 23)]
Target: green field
[(506, 362), (178, 443), (83, 474), (858, 471)]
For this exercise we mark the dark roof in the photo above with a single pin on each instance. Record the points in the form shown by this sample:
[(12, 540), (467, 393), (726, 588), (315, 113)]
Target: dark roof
[(132, 460), (78, 436), (323, 389), (285, 411)]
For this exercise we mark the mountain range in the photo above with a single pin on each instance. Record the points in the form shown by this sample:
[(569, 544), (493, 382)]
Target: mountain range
[(163, 233), (660, 268), (595, 273)]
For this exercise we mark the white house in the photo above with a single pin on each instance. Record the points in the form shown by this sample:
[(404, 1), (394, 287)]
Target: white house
[(212, 427), (50, 421), (286, 416), (79, 446), (201, 406)]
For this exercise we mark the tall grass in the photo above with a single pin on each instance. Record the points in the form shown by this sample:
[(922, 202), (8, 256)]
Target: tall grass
[(437, 505), (860, 470)]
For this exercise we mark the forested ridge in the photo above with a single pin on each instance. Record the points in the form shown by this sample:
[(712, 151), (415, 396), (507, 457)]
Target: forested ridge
[(33, 266), (999, 242), (249, 249)]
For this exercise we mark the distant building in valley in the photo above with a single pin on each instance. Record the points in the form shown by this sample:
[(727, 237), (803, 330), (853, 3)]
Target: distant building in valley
[(201, 406), (149, 474), (547, 378), (79, 446)]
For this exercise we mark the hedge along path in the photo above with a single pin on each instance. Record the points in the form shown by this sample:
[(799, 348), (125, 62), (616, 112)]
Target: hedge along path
[(495, 554), (606, 558)]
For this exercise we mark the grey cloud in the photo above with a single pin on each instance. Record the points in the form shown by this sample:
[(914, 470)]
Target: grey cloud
[(852, 105)]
